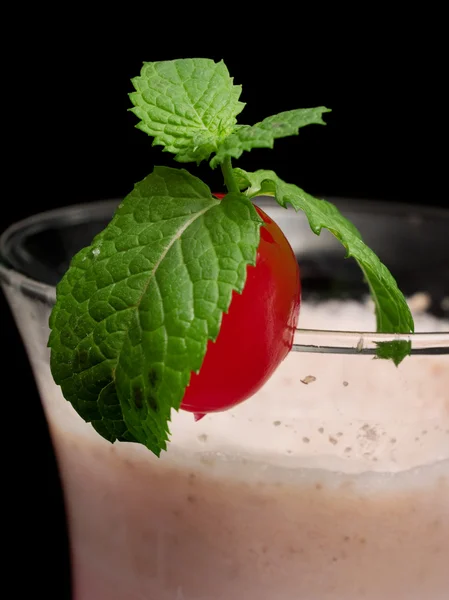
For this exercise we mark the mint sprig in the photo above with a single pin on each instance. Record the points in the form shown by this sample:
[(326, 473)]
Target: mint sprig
[(136, 309)]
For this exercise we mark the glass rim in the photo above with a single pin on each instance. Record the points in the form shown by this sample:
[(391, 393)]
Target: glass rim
[(305, 340)]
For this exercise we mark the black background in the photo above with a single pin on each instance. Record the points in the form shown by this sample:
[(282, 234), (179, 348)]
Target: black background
[(75, 141)]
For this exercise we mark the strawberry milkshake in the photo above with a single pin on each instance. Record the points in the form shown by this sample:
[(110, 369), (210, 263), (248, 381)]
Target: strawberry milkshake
[(331, 483)]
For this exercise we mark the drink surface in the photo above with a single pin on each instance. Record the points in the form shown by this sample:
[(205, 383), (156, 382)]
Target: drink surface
[(332, 483)]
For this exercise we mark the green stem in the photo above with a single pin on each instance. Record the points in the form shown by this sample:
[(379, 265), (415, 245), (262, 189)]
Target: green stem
[(230, 182)]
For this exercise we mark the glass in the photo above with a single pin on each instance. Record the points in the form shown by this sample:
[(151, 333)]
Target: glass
[(332, 483)]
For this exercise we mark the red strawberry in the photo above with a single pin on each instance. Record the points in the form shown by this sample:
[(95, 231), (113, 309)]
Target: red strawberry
[(257, 332)]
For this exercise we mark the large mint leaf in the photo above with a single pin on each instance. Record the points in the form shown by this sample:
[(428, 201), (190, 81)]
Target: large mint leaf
[(263, 134), (187, 105), (136, 309), (392, 312)]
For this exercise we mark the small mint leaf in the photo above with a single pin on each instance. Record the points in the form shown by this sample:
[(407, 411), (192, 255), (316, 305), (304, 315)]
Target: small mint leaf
[(392, 312), (263, 134), (395, 350), (136, 309), (187, 105), (243, 183)]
